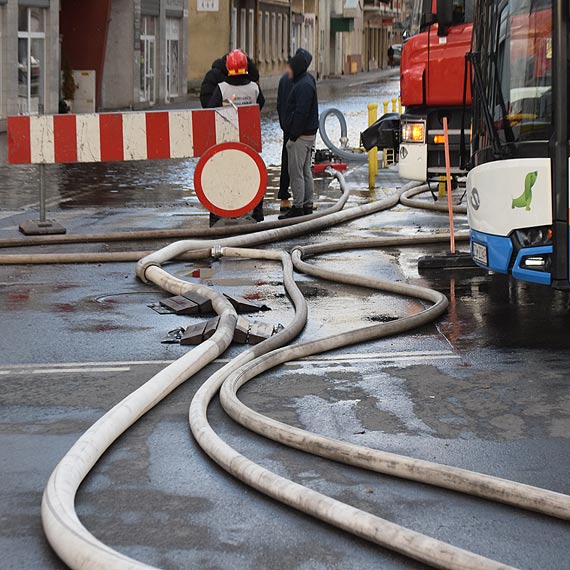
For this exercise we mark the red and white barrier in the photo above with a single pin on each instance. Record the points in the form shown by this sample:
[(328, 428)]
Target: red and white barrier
[(49, 139)]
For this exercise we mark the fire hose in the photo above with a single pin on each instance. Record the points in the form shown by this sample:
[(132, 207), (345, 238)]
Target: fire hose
[(80, 549), (343, 152)]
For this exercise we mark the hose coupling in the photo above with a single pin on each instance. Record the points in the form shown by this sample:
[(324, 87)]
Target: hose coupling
[(142, 267), (217, 252)]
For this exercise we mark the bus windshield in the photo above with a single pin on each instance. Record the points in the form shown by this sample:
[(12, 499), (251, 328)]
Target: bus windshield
[(522, 105)]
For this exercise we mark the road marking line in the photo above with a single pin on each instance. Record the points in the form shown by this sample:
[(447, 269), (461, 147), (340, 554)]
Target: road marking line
[(125, 366), (75, 370)]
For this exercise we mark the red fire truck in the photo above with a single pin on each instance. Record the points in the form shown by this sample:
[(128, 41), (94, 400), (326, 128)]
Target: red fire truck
[(435, 82)]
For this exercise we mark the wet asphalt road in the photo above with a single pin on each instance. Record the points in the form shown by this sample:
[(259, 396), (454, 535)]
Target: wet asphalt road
[(486, 388)]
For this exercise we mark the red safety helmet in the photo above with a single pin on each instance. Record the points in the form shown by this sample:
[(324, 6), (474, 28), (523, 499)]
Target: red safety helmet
[(236, 63)]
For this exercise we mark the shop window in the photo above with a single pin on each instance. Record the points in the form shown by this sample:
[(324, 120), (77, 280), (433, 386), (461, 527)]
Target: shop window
[(148, 60), (31, 60), (172, 58)]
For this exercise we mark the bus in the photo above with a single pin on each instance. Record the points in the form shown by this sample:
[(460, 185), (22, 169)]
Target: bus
[(518, 185)]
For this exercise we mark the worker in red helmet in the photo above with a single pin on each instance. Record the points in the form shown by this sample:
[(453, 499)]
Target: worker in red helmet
[(237, 87)]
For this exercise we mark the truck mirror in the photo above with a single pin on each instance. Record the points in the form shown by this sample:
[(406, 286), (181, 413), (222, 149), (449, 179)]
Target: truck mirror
[(444, 16)]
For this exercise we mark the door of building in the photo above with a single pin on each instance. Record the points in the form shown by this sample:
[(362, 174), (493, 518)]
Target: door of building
[(31, 60), (172, 58), (148, 60)]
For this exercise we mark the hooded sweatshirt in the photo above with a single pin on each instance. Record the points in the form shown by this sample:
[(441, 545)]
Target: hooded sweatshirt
[(302, 109)]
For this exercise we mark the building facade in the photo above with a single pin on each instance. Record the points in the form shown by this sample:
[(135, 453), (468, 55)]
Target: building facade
[(134, 53), (155, 34), (29, 57), (382, 28), (209, 31)]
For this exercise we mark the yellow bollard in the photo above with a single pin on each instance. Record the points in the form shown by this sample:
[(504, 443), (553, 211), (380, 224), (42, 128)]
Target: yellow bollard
[(385, 103), (442, 186), (372, 154), (400, 105), (393, 104)]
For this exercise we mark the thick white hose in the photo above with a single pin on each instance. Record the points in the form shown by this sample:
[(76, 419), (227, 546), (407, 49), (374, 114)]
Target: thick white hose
[(406, 198), (493, 488), (74, 544), (80, 550)]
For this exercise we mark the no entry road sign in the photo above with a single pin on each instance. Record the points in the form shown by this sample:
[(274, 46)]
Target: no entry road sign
[(230, 179)]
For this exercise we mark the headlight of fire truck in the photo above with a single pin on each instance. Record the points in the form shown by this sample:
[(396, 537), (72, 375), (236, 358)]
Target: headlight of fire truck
[(414, 132)]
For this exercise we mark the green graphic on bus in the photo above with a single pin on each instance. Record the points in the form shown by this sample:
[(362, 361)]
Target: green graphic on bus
[(525, 199)]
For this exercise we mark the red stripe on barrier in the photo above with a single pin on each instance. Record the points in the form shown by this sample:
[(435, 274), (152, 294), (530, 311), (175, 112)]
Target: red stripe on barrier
[(19, 147), (203, 131), (250, 126), (111, 133), (157, 135), (65, 138)]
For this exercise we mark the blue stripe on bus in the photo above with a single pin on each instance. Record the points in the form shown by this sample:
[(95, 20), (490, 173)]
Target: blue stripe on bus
[(499, 250), (540, 277)]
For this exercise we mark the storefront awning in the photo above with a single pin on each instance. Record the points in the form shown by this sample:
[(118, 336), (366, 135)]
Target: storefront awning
[(342, 24)]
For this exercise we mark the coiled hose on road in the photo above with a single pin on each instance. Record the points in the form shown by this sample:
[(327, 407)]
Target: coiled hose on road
[(350, 155), (81, 550)]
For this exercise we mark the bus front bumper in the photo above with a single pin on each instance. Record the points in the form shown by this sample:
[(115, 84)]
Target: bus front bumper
[(498, 253)]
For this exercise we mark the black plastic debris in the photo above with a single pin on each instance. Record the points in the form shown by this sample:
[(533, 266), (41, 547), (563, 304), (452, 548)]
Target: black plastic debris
[(242, 305), (174, 336), (161, 310)]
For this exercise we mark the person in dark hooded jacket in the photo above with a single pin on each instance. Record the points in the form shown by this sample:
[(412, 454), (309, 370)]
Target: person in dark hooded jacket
[(301, 123), (218, 74), (283, 92)]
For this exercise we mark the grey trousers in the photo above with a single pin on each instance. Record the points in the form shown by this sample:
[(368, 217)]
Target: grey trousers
[(302, 185)]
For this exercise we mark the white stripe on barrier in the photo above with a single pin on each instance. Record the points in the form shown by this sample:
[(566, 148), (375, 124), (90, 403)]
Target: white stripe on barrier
[(181, 138), (227, 125), (42, 139), (134, 136), (88, 138)]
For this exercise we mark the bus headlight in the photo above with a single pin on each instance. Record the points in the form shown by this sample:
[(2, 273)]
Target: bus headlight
[(534, 237), (414, 132)]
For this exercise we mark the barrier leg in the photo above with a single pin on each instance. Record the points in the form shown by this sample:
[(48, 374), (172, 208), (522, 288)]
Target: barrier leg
[(43, 226), (372, 154)]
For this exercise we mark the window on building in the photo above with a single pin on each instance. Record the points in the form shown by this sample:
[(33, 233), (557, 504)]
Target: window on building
[(172, 58), (260, 37), (251, 33), (285, 37), (267, 37), (148, 59), (31, 60), (296, 37), (233, 31), (280, 36), (243, 29), (1, 61), (274, 36)]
